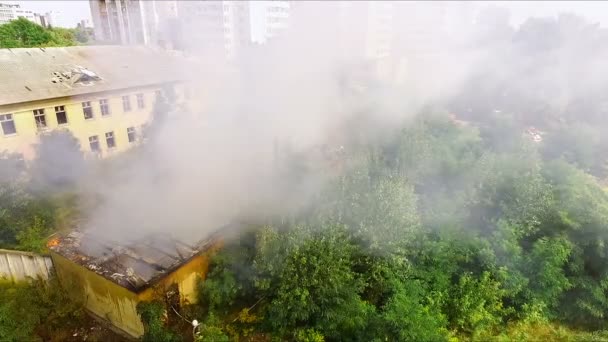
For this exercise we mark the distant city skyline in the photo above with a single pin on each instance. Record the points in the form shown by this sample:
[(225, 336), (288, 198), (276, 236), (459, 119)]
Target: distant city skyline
[(72, 11), (595, 11)]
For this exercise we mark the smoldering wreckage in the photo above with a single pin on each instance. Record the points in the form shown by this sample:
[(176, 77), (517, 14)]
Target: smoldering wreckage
[(114, 277)]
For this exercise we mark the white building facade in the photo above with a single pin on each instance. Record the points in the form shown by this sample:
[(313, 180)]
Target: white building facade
[(269, 19), (10, 12), (214, 28), (221, 28), (120, 21)]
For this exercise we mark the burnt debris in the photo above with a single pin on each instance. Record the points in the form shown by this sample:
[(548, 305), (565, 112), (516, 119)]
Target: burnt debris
[(135, 265)]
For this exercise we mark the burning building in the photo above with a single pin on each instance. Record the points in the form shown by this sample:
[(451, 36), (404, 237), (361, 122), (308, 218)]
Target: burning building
[(112, 278)]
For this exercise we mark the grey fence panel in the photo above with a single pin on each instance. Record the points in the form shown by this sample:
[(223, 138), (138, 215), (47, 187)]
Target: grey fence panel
[(19, 266)]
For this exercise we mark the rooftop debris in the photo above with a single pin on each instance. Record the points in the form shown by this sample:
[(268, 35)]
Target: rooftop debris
[(31, 74), (135, 265)]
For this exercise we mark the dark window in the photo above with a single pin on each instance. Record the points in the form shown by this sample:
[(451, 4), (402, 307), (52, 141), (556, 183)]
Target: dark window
[(126, 103), (62, 117), (131, 134), (94, 143), (40, 118), (140, 101), (87, 110), (8, 125), (110, 140), (104, 107)]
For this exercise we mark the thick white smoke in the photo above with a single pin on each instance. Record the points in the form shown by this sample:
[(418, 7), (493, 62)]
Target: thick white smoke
[(211, 166)]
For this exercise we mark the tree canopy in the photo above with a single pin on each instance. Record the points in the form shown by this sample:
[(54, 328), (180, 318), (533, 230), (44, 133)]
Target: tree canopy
[(22, 33)]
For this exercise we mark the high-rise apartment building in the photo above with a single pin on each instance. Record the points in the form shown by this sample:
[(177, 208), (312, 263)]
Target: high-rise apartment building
[(219, 28), (120, 21), (269, 19), (357, 29), (55, 19), (10, 12)]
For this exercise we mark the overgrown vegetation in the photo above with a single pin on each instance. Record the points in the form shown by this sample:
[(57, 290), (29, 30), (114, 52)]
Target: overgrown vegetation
[(22, 33), (30, 311), (38, 199), (504, 246)]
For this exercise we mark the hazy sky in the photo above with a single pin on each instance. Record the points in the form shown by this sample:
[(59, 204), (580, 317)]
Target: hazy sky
[(72, 12), (597, 11)]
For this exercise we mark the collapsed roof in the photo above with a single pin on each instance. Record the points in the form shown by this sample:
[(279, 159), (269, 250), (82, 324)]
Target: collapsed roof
[(30, 74), (134, 266)]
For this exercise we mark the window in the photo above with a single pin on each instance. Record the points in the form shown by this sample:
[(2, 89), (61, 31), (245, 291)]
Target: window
[(8, 125), (110, 140), (126, 103), (87, 110), (104, 107), (40, 118), (140, 101), (94, 143), (62, 117), (131, 134)]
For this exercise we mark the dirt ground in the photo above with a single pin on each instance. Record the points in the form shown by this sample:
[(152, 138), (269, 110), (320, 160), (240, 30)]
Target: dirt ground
[(89, 330)]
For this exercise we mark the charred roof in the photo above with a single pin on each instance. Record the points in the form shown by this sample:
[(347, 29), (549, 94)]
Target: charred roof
[(135, 265)]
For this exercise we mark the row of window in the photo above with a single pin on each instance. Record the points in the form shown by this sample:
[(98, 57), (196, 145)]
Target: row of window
[(104, 106), (110, 141), (8, 124)]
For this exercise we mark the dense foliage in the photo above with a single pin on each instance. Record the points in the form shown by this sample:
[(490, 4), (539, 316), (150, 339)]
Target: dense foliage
[(29, 311), (489, 224), (38, 199), (22, 33), (152, 315), (465, 242)]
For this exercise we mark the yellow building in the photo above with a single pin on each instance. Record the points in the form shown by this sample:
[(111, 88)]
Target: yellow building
[(112, 278), (102, 94)]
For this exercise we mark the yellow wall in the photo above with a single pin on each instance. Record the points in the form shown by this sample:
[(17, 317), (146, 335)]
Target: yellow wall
[(102, 297), (118, 120), (117, 304), (185, 277)]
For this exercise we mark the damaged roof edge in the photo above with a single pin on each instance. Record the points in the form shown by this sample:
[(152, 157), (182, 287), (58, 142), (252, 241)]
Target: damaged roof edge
[(105, 67), (126, 265), (90, 93)]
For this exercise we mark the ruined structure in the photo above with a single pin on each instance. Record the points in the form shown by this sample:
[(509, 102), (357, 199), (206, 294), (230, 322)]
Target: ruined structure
[(113, 277)]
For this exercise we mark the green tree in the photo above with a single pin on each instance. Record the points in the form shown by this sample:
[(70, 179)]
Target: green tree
[(314, 285), (406, 319), (152, 316), (29, 310), (23, 33), (62, 37)]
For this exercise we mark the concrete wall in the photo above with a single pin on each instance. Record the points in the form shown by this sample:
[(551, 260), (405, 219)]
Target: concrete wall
[(19, 266)]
